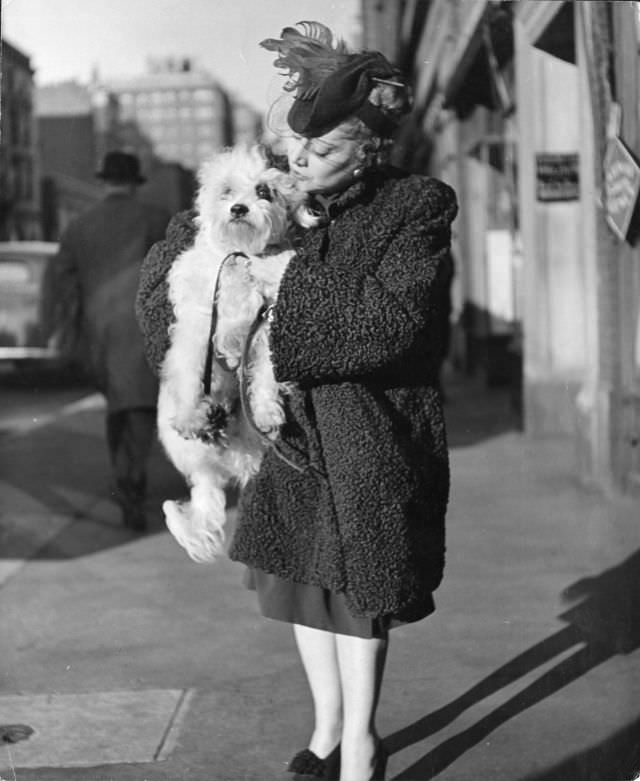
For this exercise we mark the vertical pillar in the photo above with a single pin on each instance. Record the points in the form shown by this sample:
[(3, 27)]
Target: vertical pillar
[(554, 306)]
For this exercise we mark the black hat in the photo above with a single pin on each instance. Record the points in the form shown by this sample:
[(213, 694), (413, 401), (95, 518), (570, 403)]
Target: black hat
[(343, 94), (121, 168), (330, 84)]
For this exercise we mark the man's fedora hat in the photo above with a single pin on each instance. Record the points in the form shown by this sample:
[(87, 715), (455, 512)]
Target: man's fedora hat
[(121, 168)]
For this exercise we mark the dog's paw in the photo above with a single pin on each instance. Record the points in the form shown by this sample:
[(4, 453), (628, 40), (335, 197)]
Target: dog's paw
[(268, 414), (214, 431), (207, 422)]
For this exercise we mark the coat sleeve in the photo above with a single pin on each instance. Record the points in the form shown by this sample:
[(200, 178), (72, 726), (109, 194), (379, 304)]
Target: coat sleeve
[(153, 309), (332, 322), (61, 304)]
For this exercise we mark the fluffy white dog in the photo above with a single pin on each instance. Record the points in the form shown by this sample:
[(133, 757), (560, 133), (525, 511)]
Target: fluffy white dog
[(243, 208)]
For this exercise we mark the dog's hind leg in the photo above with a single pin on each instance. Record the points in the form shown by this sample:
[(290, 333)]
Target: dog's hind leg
[(198, 525), (265, 394)]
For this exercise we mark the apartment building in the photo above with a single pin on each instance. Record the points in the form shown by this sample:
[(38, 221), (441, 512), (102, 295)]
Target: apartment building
[(19, 190)]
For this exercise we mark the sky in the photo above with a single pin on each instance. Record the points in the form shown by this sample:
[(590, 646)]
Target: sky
[(67, 39)]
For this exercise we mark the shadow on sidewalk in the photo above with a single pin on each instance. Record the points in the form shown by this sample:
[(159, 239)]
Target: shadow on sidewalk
[(602, 623), (615, 759), (64, 469)]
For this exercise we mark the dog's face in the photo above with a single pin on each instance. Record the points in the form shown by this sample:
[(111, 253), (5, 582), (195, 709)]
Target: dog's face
[(242, 203)]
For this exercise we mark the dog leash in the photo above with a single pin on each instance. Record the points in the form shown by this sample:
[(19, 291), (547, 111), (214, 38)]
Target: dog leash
[(208, 364), (245, 403), (219, 415)]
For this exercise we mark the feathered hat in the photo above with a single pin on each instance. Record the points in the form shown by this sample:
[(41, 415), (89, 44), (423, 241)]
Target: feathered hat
[(328, 82)]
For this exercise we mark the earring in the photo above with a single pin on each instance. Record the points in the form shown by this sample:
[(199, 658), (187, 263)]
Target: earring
[(357, 172)]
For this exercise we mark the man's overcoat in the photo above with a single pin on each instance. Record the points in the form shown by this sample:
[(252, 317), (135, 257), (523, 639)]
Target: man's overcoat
[(96, 272)]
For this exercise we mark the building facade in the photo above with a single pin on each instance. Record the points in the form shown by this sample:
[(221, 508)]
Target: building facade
[(70, 143), (246, 123), (67, 134), (78, 124), (530, 110), (183, 112), (19, 191)]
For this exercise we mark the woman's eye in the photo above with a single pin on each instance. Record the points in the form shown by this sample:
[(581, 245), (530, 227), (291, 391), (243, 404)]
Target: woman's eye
[(263, 192), (322, 151)]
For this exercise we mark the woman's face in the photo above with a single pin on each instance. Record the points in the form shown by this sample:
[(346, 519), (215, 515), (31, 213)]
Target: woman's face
[(325, 164)]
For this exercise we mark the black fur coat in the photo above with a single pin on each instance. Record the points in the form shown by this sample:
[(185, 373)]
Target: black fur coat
[(356, 327)]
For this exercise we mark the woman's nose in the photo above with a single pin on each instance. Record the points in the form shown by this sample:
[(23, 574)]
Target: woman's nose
[(301, 154)]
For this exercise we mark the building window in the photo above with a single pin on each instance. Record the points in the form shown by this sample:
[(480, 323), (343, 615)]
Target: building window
[(28, 180), (204, 130), (204, 112)]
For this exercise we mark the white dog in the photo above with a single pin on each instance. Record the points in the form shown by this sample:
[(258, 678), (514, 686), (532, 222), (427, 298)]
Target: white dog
[(243, 207)]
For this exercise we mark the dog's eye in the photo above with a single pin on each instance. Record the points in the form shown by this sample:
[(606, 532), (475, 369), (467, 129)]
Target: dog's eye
[(263, 191)]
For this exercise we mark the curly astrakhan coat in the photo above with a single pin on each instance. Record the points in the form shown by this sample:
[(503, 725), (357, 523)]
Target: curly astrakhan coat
[(355, 327)]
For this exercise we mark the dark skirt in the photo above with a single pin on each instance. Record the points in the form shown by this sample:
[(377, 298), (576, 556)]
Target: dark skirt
[(319, 608)]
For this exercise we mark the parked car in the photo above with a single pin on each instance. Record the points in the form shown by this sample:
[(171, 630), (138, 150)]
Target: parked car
[(22, 337)]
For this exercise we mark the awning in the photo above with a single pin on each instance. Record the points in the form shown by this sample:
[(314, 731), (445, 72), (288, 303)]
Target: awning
[(558, 37), (474, 78), (549, 26)]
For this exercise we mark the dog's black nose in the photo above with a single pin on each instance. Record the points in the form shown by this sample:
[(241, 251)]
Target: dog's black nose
[(239, 209)]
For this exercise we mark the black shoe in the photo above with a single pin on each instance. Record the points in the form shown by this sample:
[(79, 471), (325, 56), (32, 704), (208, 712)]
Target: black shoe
[(307, 766)]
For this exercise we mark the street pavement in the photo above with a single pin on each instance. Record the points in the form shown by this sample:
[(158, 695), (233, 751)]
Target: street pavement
[(121, 659)]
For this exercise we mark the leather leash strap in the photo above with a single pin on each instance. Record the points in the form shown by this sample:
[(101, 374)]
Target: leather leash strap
[(245, 402), (208, 363), (244, 368), (263, 314)]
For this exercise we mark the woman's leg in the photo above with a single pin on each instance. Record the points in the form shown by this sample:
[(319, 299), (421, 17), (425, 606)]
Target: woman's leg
[(318, 653), (361, 665)]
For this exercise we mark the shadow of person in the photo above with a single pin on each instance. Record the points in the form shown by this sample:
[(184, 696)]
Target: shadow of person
[(603, 622), (616, 758)]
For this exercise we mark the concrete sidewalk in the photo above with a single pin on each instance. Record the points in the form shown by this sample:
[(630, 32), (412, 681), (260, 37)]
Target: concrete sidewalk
[(128, 661)]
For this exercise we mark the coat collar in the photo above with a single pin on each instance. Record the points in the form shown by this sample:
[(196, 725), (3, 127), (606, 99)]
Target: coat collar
[(330, 206)]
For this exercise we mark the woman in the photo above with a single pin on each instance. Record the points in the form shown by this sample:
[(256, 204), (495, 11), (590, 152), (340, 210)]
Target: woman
[(351, 542)]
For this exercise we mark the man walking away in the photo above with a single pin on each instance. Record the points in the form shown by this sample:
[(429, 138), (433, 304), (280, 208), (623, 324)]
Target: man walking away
[(95, 277)]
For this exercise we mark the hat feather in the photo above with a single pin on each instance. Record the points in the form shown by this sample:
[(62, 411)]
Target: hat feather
[(308, 54)]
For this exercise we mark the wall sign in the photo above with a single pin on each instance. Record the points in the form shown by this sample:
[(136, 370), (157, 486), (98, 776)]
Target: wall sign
[(621, 183), (557, 177)]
